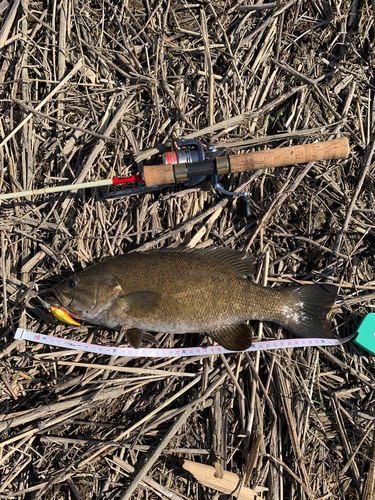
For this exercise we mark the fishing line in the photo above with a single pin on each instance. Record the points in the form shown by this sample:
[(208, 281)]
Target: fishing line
[(265, 345)]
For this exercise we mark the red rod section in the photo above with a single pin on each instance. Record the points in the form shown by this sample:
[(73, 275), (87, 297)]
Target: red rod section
[(126, 180)]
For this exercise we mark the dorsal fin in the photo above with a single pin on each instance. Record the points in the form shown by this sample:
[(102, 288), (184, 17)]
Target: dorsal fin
[(238, 262)]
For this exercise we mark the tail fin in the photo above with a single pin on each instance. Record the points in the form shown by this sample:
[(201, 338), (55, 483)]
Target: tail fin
[(312, 303)]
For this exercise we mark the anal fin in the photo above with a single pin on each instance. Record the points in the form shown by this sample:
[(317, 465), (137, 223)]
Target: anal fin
[(233, 337)]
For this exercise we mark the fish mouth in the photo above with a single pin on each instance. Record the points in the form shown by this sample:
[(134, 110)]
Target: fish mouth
[(56, 302)]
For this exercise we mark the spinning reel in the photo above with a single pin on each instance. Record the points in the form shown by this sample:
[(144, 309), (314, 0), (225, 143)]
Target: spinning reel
[(190, 155)]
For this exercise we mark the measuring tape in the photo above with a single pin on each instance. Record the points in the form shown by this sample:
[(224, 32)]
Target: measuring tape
[(22, 334)]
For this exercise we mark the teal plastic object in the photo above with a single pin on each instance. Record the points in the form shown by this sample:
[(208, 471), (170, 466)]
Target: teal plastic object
[(366, 333)]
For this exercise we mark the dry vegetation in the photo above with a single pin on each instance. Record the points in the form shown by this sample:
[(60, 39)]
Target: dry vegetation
[(139, 73)]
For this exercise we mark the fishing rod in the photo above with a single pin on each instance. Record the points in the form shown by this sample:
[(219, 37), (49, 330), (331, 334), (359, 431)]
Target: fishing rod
[(191, 164)]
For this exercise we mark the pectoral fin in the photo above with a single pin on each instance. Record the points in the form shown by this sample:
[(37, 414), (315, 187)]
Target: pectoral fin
[(139, 304), (233, 337)]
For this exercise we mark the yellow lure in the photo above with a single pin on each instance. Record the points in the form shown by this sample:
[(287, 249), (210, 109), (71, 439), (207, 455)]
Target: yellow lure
[(63, 316)]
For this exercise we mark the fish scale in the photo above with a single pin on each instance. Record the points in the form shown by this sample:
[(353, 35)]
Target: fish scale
[(191, 291)]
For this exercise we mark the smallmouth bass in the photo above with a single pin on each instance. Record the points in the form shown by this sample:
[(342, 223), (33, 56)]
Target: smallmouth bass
[(188, 291)]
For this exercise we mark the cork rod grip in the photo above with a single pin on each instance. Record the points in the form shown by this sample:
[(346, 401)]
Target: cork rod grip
[(156, 175), (329, 150)]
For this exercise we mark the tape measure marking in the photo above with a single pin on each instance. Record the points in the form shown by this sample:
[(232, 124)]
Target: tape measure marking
[(22, 334)]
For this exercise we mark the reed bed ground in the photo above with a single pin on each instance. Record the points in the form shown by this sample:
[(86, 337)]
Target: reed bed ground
[(95, 89)]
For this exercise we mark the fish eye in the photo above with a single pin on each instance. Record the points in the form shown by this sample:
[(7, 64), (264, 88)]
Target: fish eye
[(71, 284)]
